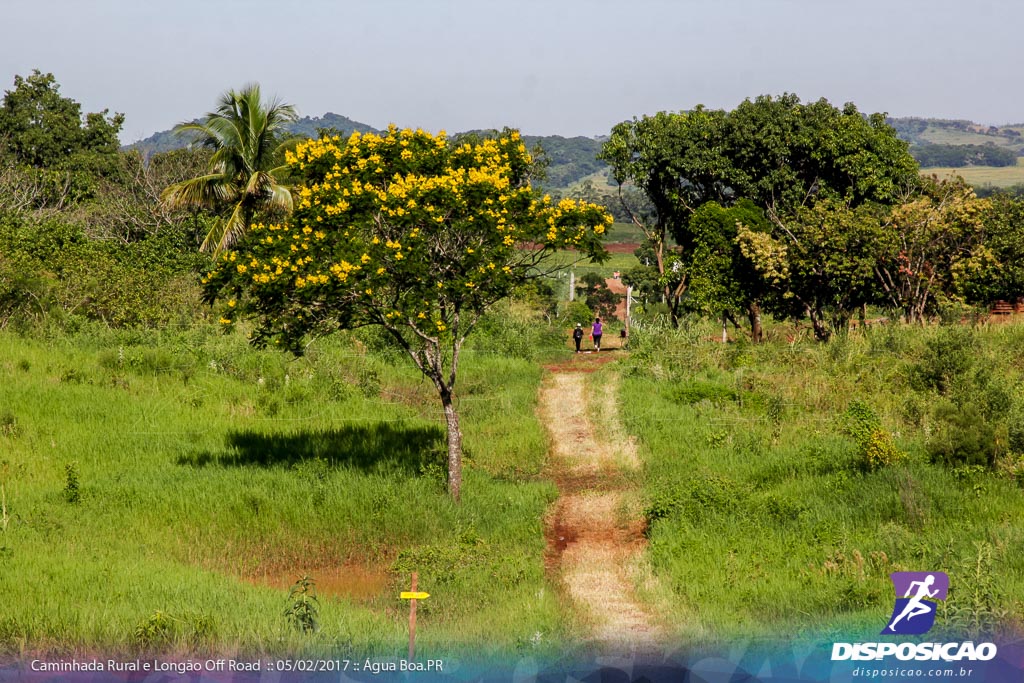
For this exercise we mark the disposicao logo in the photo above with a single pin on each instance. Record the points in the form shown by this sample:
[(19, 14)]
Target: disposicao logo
[(916, 593)]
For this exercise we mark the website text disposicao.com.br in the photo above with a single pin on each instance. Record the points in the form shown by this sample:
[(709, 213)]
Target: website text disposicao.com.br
[(868, 672)]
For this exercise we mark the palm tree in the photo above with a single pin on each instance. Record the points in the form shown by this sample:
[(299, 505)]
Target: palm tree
[(244, 173)]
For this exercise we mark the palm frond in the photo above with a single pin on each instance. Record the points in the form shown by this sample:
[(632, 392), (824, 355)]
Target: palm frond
[(226, 232), (280, 199), (203, 192)]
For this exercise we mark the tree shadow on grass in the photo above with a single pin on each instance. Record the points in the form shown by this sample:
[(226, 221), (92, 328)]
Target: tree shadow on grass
[(369, 448)]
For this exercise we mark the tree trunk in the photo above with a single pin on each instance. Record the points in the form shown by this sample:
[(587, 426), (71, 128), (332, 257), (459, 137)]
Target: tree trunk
[(821, 331), (754, 315), (451, 418)]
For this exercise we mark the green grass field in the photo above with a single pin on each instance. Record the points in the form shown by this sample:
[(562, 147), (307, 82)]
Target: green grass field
[(763, 518), (162, 492), (979, 176), (952, 136)]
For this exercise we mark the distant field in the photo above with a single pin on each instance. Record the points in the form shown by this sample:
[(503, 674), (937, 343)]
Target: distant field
[(997, 176), (949, 136), (625, 233)]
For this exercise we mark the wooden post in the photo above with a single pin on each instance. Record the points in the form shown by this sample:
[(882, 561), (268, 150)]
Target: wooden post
[(572, 285), (629, 305), (412, 620)]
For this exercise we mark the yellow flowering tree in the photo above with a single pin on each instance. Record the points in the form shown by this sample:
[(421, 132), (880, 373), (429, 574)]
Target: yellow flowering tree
[(407, 230)]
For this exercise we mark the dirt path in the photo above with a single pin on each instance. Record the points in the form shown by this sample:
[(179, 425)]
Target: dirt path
[(594, 541)]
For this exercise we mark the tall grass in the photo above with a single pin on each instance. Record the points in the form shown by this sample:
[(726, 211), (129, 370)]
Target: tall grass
[(205, 467), (765, 519)]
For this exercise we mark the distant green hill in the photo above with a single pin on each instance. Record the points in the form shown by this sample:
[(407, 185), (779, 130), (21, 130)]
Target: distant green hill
[(570, 159), (935, 143), (166, 140), (957, 143)]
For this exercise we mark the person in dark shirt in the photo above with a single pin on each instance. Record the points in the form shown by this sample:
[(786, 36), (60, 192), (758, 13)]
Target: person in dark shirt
[(596, 334), (577, 336)]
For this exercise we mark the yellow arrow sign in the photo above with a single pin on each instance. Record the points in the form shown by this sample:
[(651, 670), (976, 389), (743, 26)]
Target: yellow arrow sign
[(406, 595)]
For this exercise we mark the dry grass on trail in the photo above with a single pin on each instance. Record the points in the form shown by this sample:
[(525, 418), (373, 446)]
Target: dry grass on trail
[(592, 546)]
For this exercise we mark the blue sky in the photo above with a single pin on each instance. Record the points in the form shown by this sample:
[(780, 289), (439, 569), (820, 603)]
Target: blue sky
[(568, 67)]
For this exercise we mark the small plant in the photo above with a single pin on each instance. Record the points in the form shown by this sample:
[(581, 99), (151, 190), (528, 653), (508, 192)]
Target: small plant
[(72, 376), (5, 520), (156, 629), (774, 407), (975, 604), (161, 629), (305, 607), (875, 447), (315, 473), (72, 493), (8, 424)]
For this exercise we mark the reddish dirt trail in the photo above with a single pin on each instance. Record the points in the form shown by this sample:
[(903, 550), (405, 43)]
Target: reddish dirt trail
[(594, 544)]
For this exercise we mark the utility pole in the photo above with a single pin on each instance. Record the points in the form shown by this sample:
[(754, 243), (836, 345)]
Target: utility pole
[(572, 285)]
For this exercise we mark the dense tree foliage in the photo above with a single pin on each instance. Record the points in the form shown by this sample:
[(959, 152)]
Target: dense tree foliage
[(957, 156), (594, 292), (675, 161), (409, 232), (50, 155), (782, 155), (724, 281)]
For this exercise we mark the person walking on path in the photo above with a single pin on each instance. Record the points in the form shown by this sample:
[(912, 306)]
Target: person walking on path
[(577, 336), (596, 334)]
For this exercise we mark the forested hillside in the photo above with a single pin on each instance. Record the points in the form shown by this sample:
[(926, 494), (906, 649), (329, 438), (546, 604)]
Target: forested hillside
[(959, 143)]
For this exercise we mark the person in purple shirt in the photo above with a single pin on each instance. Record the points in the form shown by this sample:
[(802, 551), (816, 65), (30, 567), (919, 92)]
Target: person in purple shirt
[(596, 334)]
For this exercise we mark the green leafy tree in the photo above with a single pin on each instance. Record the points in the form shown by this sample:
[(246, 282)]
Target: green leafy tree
[(724, 282), (50, 155), (781, 154), (245, 172), (598, 298), (785, 155), (408, 232), (1004, 237), (674, 160), (823, 265), (935, 247)]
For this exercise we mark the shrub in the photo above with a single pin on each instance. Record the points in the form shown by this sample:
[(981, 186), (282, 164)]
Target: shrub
[(875, 447), (964, 437), (1015, 429), (8, 424), (576, 312), (946, 359), (72, 491), (695, 391), (696, 498)]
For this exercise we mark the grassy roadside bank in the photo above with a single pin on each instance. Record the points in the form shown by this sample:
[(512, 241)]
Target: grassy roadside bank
[(766, 516), (161, 492)]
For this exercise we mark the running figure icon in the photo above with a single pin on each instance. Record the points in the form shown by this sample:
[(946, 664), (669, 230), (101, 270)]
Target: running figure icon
[(917, 592), (916, 607)]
